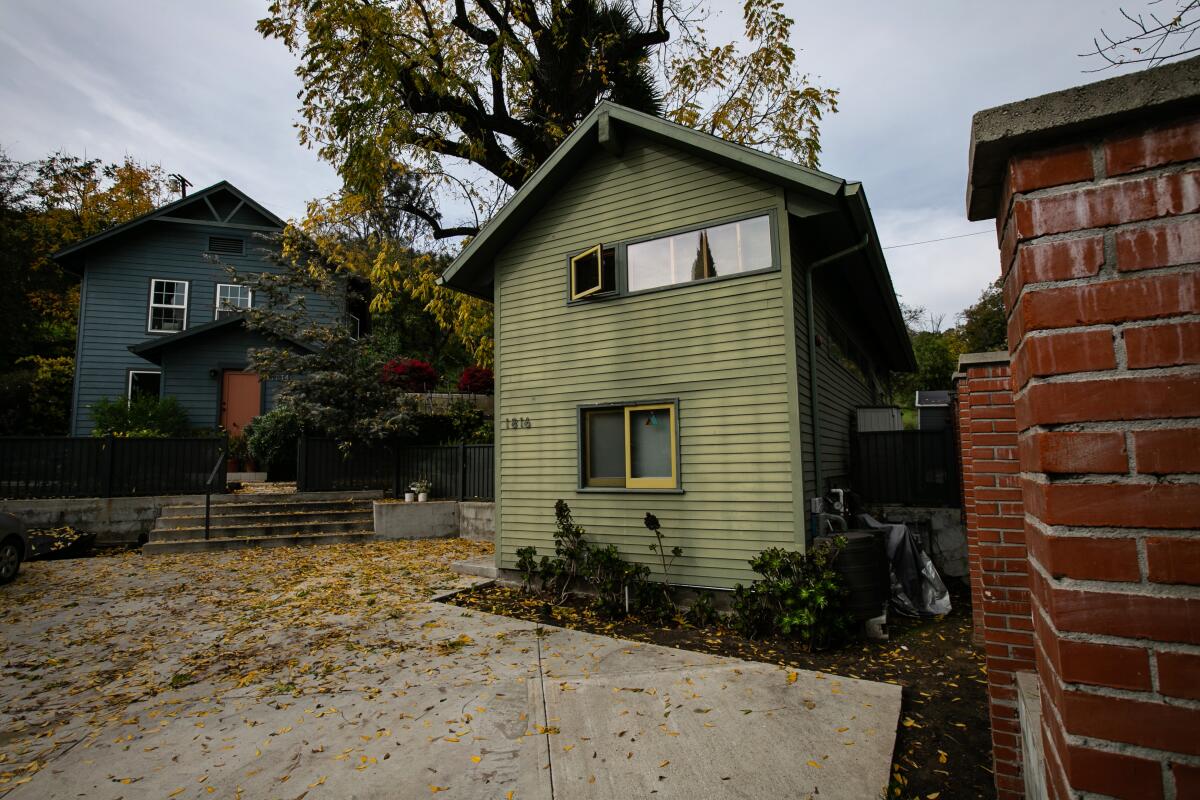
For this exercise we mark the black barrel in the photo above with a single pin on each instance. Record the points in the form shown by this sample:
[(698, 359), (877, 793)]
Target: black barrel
[(863, 564)]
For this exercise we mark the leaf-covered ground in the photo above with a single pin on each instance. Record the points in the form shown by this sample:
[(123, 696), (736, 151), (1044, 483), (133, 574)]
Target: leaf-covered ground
[(84, 639), (943, 744)]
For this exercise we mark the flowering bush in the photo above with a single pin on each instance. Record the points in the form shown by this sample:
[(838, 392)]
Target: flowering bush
[(410, 374), (477, 380)]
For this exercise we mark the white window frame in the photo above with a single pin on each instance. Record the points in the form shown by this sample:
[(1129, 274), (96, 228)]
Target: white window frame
[(355, 327), (187, 291), (217, 299), (129, 380)]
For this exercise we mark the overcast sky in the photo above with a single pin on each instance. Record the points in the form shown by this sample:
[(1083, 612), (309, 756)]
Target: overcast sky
[(191, 85)]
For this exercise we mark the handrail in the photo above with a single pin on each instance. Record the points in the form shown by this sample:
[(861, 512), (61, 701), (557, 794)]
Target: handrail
[(212, 476)]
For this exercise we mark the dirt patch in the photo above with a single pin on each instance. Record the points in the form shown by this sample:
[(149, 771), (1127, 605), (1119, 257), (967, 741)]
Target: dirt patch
[(943, 742)]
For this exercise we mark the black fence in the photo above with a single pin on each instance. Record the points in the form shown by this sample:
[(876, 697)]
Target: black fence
[(457, 471), (913, 468), (79, 466)]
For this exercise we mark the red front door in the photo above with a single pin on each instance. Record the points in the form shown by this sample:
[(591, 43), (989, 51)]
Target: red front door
[(241, 400)]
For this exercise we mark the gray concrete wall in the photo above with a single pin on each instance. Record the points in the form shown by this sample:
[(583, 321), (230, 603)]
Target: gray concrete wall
[(477, 521), (941, 531), (114, 520), (432, 520)]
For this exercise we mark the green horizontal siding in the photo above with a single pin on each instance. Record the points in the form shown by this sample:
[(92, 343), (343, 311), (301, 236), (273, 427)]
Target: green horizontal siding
[(721, 348)]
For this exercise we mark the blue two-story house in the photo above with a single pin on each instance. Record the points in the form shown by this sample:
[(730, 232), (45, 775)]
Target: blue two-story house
[(158, 316)]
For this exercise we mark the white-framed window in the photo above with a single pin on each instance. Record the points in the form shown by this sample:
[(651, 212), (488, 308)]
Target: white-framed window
[(231, 298), (355, 325), (168, 306), (143, 383)]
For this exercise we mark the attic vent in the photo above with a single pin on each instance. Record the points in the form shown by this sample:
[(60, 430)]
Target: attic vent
[(226, 245)]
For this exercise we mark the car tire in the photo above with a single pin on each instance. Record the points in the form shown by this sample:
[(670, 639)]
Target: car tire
[(10, 559)]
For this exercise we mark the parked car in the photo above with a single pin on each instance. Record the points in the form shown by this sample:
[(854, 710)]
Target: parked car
[(14, 546)]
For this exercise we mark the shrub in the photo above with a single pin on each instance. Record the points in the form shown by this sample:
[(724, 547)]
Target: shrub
[(800, 596), (703, 613), (410, 374), (620, 586), (144, 417), (272, 440), (477, 380)]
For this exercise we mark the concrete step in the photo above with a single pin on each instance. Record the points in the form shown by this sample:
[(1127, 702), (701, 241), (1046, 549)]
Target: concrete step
[(272, 507), (240, 542), (282, 517), (258, 528), (481, 566)]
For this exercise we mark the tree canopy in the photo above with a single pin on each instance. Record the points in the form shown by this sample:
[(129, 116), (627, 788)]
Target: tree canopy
[(446, 106), (44, 206)]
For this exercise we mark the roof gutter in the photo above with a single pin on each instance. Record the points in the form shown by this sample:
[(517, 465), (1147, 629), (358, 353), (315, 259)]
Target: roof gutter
[(814, 403)]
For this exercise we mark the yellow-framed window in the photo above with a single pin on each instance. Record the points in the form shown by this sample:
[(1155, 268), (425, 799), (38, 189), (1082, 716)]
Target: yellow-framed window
[(650, 449), (587, 273)]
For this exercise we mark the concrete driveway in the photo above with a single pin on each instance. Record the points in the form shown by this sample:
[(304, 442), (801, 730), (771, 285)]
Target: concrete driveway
[(325, 673)]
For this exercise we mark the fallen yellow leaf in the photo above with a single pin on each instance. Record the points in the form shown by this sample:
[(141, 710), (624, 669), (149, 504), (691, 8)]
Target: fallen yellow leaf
[(792, 676), (812, 763), (476, 759)]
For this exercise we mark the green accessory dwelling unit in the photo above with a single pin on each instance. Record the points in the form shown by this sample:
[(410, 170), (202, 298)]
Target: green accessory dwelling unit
[(683, 326)]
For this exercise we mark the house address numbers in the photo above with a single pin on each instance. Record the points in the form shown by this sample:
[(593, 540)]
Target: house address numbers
[(516, 423)]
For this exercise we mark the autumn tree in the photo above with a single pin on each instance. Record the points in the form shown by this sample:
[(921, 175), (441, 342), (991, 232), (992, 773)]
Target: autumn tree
[(1151, 38), (46, 205), (434, 111)]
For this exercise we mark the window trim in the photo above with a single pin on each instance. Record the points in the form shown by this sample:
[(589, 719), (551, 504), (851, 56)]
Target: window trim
[(642, 485), (150, 305), (217, 299), (621, 248), (598, 252), (356, 328), (129, 373), (656, 482)]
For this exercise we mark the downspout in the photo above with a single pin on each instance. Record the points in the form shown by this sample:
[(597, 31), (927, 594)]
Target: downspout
[(814, 404)]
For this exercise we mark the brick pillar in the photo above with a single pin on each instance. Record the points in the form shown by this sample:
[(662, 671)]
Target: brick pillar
[(996, 550), (1098, 213)]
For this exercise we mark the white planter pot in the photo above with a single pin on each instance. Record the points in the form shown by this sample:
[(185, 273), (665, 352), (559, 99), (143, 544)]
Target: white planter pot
[(410, 497), (422, 497)]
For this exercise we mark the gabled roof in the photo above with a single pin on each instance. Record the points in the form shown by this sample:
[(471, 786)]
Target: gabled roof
[(221, 204), (471, 271), (152, 349)]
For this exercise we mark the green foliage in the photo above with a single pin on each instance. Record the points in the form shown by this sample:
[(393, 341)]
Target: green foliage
[(144, 417), (462, 421), (703, 613), (46, 205), (800, 596), (983, 327), (335, 387), (611, 578), (35, 397), (654, 526), (237, 447), (272, 439)]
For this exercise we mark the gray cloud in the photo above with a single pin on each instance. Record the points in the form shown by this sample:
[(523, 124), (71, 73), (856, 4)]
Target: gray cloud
[(194, 87)]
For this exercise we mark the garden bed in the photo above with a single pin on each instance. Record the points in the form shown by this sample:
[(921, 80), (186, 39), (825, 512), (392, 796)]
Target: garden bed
[(943, 743)]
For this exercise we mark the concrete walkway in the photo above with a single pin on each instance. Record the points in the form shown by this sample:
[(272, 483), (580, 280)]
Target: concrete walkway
[(458, 704)]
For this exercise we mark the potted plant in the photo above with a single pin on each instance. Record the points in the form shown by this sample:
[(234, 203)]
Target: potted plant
[(422, 488), (410, 497)]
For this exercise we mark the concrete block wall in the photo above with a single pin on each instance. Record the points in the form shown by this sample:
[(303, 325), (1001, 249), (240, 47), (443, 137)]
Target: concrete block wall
[(1098, 218), (997, 556)]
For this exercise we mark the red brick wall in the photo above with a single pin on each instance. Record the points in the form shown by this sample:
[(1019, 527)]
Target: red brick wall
[(1100, 249), (996, 553)]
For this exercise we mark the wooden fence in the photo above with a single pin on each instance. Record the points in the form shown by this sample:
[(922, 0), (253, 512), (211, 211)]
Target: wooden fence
[(81, 466), (913, 468), (457, 471)]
